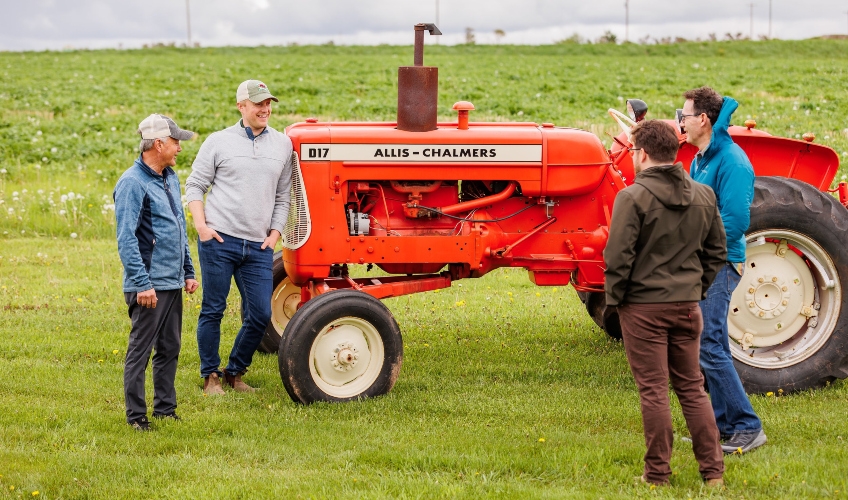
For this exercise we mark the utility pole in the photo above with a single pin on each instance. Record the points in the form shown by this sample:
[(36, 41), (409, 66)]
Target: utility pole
[(769, 19), (626, 20), (751, 36), (188, 24), (437, 20)]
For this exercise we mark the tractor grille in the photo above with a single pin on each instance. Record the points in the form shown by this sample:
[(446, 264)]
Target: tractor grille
[(299, 225)]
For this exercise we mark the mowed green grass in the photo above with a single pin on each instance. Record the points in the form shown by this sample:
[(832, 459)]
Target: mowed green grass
[(503, 394), (507, 391)]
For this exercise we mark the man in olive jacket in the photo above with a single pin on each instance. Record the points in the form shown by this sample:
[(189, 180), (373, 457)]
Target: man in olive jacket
[(666, 245)]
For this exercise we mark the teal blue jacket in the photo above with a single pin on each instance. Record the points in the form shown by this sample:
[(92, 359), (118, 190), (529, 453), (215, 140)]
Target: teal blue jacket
[(724, 167)]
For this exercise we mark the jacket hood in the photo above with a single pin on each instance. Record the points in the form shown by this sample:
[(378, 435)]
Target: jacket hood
[(668, 183), (721, 136)]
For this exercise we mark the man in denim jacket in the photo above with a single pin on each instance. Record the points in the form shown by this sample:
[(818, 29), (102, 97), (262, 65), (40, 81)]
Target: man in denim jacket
[(153, 247)]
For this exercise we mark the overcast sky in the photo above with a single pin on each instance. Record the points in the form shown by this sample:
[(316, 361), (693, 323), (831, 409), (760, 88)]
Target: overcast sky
[(60, 24)]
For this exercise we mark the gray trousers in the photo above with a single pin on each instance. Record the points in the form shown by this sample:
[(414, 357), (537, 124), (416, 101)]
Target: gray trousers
[(158, 328)]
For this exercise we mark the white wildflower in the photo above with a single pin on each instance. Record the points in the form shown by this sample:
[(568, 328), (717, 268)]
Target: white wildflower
[(73, 235)]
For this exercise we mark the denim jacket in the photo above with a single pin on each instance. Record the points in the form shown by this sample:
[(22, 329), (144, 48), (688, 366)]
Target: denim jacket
[(152, 241)]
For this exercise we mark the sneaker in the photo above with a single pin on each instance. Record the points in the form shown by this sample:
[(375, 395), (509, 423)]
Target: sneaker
[(744, 442), (140, 424), (212, 385), (236, 382), (172, 416)]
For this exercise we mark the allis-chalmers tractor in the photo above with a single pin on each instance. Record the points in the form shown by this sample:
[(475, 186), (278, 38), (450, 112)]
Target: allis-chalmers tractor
[(433, 202)]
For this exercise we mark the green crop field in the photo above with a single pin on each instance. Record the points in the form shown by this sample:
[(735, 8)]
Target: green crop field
[(507, 390)]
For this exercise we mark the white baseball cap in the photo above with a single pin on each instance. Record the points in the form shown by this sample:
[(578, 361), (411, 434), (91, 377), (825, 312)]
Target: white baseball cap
[(158, 126), (254, 90)]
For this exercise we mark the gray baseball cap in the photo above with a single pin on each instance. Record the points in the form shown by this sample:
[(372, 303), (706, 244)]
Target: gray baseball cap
[(254, 90), (158, 126)]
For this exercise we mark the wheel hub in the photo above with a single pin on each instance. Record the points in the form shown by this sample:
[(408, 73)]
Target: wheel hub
[(774, 299), (342, 353), (345, 357), (768, 298)]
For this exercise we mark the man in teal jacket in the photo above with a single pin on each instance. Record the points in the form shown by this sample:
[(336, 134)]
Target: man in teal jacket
[(722, 165)]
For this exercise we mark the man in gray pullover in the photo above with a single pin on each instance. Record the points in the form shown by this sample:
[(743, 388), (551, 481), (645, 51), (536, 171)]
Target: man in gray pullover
[(246, 171)]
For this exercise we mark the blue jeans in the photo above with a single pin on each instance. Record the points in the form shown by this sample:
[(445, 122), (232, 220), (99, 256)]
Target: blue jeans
[(733, 410), (251, 268)]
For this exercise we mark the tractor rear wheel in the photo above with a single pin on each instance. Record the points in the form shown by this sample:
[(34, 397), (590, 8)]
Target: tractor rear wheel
[(340, 346), (284, 302), (595, 303), (788, 317)]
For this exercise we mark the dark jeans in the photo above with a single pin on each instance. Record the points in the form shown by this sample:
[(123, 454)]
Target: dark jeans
[(661, 342), (733, 410), (158, 328), (251, 268)]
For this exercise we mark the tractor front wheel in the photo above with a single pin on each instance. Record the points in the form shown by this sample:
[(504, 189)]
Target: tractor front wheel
[(340, 346)]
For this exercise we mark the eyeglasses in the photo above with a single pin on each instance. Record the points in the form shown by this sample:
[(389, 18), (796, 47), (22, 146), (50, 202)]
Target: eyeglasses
[(634, 149), (683, 117)]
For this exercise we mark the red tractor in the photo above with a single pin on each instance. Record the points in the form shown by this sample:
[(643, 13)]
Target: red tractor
[(433, 202)]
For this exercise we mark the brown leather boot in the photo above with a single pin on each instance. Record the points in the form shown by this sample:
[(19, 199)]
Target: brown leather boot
[(236, 382), (715, 483), (212, 385)]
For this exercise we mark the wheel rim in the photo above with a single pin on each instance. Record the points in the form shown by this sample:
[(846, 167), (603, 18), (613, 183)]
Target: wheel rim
[(346, 357), (787, 304), (284, 304)]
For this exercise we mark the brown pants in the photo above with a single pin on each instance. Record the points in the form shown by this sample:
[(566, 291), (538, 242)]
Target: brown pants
[(662, 341)]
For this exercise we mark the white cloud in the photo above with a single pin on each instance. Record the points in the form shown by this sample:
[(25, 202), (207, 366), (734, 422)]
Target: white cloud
[(49, 24)]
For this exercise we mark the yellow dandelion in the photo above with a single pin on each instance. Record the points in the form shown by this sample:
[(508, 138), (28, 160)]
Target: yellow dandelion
[(79, 300), (114, 351), (36, 493), (460, 303), (426, 345), (541, 440), (99, 360), (769, 394), (435, 291), (197, 306), (11, 488), (653, 486), (538, 294), (509, 293), (555, 290), (511, 300)]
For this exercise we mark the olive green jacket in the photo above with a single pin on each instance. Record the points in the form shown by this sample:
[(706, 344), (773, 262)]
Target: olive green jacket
[(666, 240)]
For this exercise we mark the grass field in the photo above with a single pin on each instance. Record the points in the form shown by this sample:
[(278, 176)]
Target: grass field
[(68, 119), (507, 390)]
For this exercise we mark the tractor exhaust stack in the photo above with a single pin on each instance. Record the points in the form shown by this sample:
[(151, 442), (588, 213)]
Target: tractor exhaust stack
[(418, 88)]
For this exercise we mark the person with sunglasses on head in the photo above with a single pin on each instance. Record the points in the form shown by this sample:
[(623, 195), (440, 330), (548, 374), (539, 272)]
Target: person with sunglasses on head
[(666, 244), (723, 165)]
